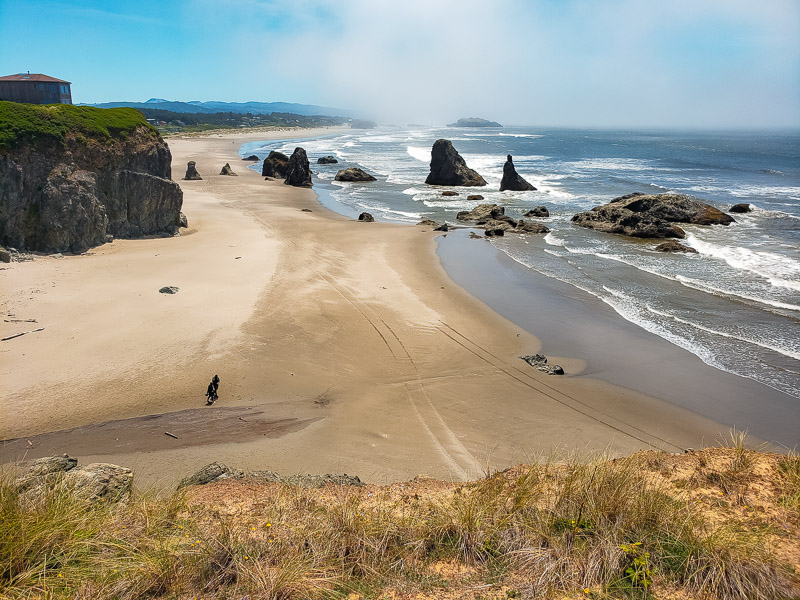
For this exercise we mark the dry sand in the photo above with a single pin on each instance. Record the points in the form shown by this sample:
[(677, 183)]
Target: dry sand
[(341, 347)]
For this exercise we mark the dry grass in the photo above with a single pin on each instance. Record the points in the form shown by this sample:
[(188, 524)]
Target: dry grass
[(637, 527)]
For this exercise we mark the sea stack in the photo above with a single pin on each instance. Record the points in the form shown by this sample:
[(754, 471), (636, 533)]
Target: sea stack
[(226, 170), (448, 168), (191, 171), (298, 172), (275, 165), (512, 180)]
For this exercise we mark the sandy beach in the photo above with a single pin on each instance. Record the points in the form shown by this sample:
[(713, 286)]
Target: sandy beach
[(341, 346)]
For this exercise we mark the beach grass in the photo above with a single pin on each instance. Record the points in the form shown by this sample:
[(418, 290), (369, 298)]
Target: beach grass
[(631, 527)]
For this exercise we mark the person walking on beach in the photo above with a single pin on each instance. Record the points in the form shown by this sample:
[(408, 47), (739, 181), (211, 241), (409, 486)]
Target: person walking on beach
[(212, 391), (215, 383)]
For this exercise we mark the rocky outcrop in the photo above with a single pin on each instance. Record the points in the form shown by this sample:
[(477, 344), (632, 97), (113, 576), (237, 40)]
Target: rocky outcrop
[(327, 160), (512, 180), (448, 168), (366, 217), (743, 207), (94, 482), (538, 212), (298, 171), (251, 158), (539, 361), (428, 223), (71, 195), (353, 174), (524, 226), (481, 213), (673, 246), (275, 165), (226, 170), (474, 197), (191, 172), (474, 122), (217, 471), (651, 216)]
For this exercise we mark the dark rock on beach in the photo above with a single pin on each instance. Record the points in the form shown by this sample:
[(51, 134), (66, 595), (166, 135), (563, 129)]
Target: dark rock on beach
[(275, 165), (169, 289), (530, 227), (673, 246), (512, 180), (191, 172), (539, 212), (474, 122), (251, 158), (353, 174), (539, 361), (226, 170), (298, 171), (448, 168), (327, 160), (442, 227), (744, 207), (366, 217), (651, 215)]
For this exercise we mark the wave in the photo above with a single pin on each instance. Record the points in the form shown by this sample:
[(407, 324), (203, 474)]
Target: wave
[(421, 154), (768, 265), (702, 286)]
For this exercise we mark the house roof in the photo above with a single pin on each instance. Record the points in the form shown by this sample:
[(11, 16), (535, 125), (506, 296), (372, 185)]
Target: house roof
[(32, 77)]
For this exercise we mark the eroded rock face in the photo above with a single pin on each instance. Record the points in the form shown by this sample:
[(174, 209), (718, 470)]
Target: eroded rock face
[(226, 170), (275, 165), (512, 180), (353, 174), (327, 160), (71, 196), (298, 171), (651, 215), (191, 172), (448, 168), (538, 212)]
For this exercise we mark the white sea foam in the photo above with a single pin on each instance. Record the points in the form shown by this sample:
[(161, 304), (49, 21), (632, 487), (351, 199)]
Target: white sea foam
[(553, 240), (520, 135), (421, 154), (710, 289), (769, 265)]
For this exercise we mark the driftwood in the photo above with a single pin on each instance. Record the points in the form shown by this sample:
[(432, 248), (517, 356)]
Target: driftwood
[(16, 335), (20, 320), (172, 435)]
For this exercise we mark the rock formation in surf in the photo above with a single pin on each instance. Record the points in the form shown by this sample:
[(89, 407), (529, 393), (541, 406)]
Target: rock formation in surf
[(495, 222), (327, 160), (298, 172), (448, 168), (539, 212), (512, 180), (651, 216), (251, 158), (743, 207), (275, 165), (73, 177), (673, 246), (353, 174)]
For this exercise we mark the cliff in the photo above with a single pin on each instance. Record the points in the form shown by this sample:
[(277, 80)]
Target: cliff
[(73, 177)]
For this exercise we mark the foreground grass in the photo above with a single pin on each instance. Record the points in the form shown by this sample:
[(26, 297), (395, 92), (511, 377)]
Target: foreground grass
[(713, 524)]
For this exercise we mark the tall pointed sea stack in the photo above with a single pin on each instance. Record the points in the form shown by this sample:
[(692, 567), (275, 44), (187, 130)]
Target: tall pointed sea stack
[(298, 172), (512, 180), (448, 168)]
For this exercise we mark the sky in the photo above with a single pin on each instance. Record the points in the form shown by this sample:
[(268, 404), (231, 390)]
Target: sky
[(573, 63)]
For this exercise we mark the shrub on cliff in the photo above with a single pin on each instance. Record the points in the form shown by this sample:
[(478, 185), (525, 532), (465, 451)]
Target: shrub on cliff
[(29, 122)]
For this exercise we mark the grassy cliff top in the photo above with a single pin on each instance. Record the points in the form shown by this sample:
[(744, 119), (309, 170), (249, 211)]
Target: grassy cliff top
[(28, 122)]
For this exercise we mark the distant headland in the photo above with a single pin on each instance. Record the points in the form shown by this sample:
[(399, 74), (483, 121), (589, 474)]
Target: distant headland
[(474, 122)]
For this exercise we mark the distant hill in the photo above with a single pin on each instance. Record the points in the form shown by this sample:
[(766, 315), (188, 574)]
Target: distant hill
[(263, 108), (474, 122)]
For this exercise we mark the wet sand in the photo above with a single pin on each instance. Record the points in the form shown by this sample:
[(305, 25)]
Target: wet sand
[(348, 340)]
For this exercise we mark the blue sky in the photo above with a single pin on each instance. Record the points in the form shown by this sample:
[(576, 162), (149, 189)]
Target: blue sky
[(670, 63)]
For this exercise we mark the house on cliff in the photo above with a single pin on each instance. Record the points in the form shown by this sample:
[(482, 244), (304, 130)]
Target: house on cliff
[(35, 88)]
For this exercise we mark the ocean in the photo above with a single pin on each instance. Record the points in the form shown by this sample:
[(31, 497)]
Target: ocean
[(735, 304)]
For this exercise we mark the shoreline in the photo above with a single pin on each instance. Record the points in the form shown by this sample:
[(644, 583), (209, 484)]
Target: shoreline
[(353, 330)]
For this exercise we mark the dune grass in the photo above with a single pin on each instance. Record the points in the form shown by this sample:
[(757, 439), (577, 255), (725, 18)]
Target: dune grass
[(597, 529)]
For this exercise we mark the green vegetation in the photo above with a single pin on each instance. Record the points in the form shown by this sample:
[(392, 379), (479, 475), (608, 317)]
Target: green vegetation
[(175, 122), (577, 529), (29, 122)]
